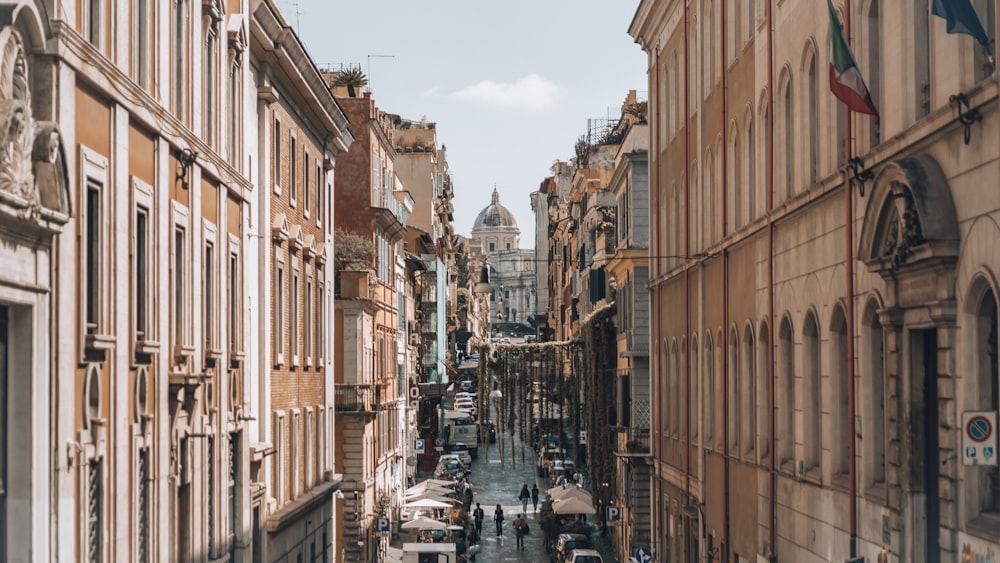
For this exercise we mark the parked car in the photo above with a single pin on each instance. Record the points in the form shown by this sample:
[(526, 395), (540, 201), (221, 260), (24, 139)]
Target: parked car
[(566, 543), (460, 449), (584, 556)]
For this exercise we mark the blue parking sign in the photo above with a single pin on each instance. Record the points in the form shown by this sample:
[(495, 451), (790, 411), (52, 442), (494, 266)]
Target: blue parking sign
[(418, 446), (612, 514), (382, 525)]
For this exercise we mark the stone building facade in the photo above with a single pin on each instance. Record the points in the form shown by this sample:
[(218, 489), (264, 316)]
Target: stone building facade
[(818, 335)]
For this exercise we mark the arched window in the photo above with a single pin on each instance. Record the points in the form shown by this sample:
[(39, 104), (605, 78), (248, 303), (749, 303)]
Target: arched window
[(666, 391), (810, 394), (734, 397), (786, 137), (812, 130), (921, 58), (764, 390), (874, 397), (676, 82), (712, 429), (708, 210), (748, 394), (748, 171), (839, 435), (785, 394), (708, 49), (694, 379), (748, 20), (987, 392), (694, 214), (734, 204)]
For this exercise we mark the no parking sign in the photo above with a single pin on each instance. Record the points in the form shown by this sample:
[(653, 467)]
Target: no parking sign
[(979, 438)]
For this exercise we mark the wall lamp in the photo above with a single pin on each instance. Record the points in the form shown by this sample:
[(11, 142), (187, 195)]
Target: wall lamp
[(856, 168), (966, 114), (186, 158)]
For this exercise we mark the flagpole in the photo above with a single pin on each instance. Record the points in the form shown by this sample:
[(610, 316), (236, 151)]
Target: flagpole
[(849, 273)]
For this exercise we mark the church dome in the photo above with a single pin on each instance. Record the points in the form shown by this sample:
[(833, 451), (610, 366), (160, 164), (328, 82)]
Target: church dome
[(495, 216)]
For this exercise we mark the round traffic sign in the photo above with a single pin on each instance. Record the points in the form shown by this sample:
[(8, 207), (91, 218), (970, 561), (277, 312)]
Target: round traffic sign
[(439, 442), (979, 428)]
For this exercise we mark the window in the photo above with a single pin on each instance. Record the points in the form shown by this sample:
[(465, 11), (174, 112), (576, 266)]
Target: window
[(142, 266), (142, 23), (712, 428), (748, 394), (232, 478), (210, 77), (143, 507), (278, 463), (94, 225), (308, 322), (839, 425), (310, 449), (733, 396), (986, 10), (209, 299), (279, 310), (293, 171), (493, 247), (985, 480), (764, 391), (235, 300), (321, 324), (91, 20), (874, 395), (319, 193), (787, 142), (810, 407), (874, 74), (180, 306), (785, 395), (921, 58), (179, 62), (305, 184), (376, 165), (294, 448), (276, 165), (749, 170), (812, 85), (234, 111), (296, 344)]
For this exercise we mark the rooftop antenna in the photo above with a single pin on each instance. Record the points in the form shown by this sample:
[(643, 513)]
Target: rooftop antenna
[(369, 71)]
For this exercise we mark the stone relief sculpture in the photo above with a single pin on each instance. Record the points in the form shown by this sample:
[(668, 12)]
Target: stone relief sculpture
[(33, 175)]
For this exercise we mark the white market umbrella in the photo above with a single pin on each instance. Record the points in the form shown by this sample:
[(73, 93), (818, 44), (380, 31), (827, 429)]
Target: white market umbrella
[(573, 506), (424, 523), (569, 492), (411, 500), (427, 503), (428, 488)]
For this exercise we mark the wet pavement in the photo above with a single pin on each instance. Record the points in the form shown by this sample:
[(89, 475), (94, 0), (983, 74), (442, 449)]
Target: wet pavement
[(495, 482)]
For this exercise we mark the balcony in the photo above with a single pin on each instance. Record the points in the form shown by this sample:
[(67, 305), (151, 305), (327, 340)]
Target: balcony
[(355, 398), (632, 442)]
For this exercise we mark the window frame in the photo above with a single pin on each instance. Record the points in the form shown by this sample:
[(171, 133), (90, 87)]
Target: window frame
[(94, 174), (180, 283), (235, 299), (278, 330), (276, 155), (144, 299)]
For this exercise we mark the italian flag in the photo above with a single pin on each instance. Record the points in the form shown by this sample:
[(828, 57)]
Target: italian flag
[(845, 79)]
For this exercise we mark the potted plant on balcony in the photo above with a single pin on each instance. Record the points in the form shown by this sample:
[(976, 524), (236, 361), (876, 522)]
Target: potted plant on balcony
[(354, 256)]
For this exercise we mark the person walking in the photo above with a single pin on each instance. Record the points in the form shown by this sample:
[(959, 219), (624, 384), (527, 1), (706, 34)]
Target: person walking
[(524, 496), (534, 497), (478, 515), (519, 530), (498, 518)]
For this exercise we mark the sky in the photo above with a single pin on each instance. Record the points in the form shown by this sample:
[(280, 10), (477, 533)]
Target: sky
[(510, 84)]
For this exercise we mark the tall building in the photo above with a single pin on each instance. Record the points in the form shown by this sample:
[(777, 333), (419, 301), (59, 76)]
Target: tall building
[(512, 269), (825, 312), (372, 387), (303, 132)]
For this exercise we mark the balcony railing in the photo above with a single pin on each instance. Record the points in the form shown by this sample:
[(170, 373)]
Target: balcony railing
[(633, 441), (355, 398)]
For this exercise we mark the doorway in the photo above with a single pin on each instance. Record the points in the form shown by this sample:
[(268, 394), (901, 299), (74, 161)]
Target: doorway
[(924, 437)]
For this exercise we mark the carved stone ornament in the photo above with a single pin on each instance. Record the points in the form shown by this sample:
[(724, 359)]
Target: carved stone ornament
[(33, 175), (903, 231)]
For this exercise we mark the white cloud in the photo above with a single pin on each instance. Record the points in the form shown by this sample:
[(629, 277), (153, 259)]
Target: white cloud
[(430, 92), (531, 92)]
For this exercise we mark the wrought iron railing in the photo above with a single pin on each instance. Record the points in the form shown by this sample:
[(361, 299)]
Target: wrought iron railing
[(354, 398)]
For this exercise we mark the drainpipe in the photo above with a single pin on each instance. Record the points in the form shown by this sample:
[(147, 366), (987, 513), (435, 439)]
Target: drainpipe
[(687, 281), (773, 481), (723, 185), (852, 446)]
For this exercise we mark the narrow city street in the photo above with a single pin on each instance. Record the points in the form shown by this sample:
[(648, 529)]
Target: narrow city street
[(497, 482)]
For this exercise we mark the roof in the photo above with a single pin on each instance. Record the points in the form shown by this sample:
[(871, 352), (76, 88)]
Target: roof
[(495, 216)]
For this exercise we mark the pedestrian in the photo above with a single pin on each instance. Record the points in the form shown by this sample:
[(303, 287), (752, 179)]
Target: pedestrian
[(519, 530), (478, 515), (534, 496), (524, 496), (498, 518)]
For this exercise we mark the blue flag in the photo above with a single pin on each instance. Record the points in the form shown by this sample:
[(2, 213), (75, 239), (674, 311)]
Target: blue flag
[(961, 18)]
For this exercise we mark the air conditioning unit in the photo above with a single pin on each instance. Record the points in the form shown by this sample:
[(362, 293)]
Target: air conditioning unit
[(414, 339)]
